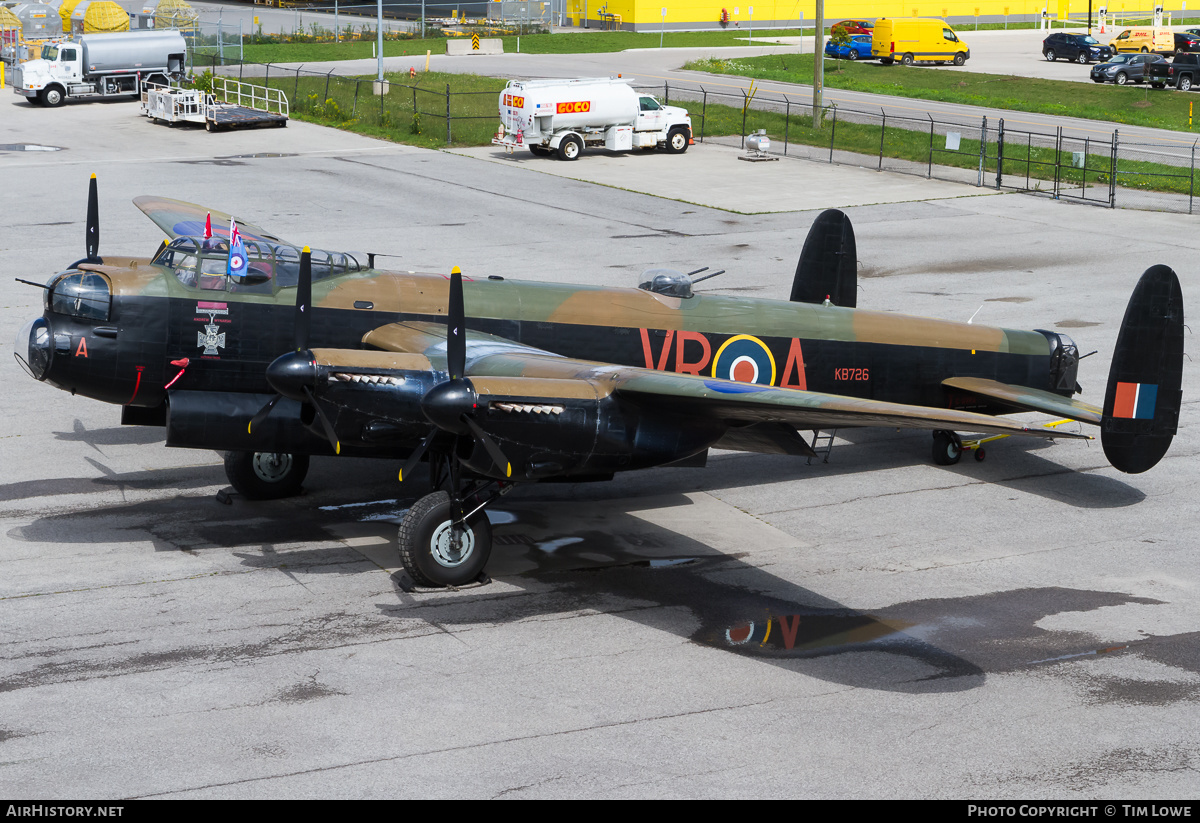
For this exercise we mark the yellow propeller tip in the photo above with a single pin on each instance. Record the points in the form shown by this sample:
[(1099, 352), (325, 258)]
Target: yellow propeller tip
[(456, 270), (508, 469), (401, 475), (337, 448), (93, 175), (248, 425), (305, 250)]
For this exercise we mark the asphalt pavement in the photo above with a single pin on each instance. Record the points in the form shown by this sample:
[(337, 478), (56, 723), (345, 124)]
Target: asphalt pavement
[(1025, 627)]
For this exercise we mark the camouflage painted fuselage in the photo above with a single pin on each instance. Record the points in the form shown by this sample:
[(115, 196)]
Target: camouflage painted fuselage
[(228, 337)]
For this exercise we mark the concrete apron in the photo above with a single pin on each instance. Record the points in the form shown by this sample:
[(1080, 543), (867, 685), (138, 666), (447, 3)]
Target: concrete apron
[(710, 174)]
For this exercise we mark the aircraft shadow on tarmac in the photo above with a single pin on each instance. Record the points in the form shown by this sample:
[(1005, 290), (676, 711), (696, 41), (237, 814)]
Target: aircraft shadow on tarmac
[(620, 563)]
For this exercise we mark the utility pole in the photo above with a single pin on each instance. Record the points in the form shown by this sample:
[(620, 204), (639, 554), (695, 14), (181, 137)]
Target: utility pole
[(819, 65)]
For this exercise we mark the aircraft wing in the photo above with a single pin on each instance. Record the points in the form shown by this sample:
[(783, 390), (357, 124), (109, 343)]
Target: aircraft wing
[(500, 366), (1027, 399), (177, 218), (744, 403)]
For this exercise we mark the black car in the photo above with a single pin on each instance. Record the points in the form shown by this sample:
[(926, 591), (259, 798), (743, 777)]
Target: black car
[(1186, 42), (1125, 68), (1081, 48)]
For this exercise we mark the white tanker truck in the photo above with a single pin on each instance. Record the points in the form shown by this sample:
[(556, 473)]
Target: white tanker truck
[(563, 116), (100, 65)]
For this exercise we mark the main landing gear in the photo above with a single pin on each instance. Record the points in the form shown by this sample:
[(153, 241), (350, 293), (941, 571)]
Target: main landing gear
[(445, 538), (266, 475)]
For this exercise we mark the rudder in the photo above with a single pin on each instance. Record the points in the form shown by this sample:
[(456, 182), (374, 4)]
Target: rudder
[(828, 265), (1144, 393)]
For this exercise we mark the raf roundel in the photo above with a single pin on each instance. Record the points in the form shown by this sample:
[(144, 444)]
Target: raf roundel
[(745, 359)]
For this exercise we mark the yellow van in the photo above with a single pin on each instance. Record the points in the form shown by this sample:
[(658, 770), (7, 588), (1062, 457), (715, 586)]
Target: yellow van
[(913, 39), (1146, 39)]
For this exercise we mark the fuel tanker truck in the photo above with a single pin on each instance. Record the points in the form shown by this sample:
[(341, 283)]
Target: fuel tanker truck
[(101, 65), (564, 116)]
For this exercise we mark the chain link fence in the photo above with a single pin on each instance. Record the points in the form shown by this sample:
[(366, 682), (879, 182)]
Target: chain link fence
[(1107, 171)]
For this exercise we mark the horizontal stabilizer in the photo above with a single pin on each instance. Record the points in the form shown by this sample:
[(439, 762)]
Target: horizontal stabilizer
[(1022, 398), (828, 266), (1141, 403)]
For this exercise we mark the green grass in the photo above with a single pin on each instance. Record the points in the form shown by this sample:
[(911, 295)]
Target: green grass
[(577, 43), (1133, 105)]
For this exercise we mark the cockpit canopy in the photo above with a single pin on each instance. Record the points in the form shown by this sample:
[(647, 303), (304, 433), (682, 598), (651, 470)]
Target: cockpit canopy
[(203, 263)]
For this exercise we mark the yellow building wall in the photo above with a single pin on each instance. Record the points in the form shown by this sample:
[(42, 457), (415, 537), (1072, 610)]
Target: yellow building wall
[(647, 15)]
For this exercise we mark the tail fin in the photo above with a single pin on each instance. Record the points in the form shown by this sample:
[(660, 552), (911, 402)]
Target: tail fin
[(1141, 404), (828, 264)]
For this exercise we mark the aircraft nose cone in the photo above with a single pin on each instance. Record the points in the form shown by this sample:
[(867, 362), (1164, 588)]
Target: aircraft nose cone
[(34, 340), (289, 373), (446, 403)]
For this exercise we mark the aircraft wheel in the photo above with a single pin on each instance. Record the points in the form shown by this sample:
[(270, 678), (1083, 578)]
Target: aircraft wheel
[(946, 448), (426, 544), (980, 454), (265, 475), (570, 147)]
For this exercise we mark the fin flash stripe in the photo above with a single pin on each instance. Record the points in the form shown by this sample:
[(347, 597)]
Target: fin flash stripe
[(1135, 401)]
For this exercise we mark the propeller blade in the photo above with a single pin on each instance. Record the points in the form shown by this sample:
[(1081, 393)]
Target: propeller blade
[(456, 341), (261, 415), (92, 239), (418, 453), (329, 432), (303, 299), (490, 445)]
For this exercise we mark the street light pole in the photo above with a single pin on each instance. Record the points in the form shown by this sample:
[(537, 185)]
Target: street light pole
[(819, 64), (379, 39)]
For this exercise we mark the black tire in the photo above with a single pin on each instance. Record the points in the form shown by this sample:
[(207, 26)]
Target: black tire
[(959, 59), (980, 454), (1145, 50), (886, 61), (539, 151), (1184, 83), (570, 148), (946, 448), (209, 126), (677, 141), (1121, 79), (1050, 55), (907, 60), (266, 476), (853, 55), (424, 543), (52, 97), (1082, 59)]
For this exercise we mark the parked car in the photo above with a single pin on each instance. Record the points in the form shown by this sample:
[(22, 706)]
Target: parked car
[(1183, 72), (1125, 68), (1186, 42), (1081, 48), (854, 26), (859, 48)]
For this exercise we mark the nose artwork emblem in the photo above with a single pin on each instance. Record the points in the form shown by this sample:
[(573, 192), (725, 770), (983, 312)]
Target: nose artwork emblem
[(212, 339)]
